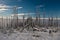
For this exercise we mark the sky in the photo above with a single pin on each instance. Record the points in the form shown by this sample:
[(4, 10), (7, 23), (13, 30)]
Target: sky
[(51, 8)]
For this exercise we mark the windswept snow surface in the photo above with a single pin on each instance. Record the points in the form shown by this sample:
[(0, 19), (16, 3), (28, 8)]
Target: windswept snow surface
[(28, 36)]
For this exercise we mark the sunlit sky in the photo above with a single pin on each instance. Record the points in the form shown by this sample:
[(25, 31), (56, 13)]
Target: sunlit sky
[(52, 7)]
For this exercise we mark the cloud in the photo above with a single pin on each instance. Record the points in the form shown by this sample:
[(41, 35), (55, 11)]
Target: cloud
[(22, 14), (20, 7), (3, 7), (40, 6)]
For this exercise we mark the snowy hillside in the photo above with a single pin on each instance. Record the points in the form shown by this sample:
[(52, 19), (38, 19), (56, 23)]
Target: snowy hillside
[(29, 36)]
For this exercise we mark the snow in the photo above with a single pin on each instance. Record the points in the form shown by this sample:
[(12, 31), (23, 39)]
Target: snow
[(29, 36)]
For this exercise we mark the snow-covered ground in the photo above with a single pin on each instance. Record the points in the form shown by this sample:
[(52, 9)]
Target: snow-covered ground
[(29, 36)]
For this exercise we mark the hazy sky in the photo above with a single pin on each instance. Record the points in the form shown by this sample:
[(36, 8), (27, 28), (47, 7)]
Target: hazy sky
[(52, 7)]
